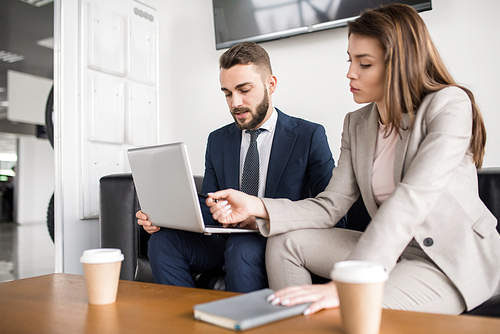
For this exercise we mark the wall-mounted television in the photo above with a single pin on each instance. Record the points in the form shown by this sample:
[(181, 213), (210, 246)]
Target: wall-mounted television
[(264, 20)]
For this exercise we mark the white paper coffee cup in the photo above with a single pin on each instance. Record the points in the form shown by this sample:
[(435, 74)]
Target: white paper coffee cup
[(102, 274), (360, 285)]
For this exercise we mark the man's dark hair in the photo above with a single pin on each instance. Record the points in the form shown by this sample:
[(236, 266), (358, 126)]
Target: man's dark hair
[(246, 53)]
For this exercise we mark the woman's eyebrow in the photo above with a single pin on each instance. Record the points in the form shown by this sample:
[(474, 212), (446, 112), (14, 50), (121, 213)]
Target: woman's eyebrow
[(363, 55)]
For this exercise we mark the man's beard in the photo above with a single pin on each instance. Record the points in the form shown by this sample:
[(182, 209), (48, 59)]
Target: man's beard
[(257, 118)]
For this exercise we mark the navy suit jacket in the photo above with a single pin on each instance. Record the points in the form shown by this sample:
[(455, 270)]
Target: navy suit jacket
[(300, 165)]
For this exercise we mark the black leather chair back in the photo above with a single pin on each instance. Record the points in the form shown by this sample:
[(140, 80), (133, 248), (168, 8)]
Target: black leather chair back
[(119, 229)]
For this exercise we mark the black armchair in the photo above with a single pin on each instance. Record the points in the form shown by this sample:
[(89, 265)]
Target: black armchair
[(119, 229)]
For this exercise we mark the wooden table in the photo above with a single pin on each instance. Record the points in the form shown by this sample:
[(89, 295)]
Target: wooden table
[(57, 303)]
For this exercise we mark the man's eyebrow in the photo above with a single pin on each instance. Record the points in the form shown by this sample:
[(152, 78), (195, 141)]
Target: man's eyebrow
[(224, 89), (243, 84)]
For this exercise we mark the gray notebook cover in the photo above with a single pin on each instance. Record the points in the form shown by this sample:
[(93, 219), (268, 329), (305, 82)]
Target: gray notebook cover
[(245, 311)]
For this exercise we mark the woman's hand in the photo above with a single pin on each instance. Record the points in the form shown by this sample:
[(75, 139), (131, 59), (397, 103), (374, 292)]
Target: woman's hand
[(230, 206), (322, 296)]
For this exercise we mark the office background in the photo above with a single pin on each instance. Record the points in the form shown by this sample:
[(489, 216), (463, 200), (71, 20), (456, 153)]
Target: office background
[(311, 73)]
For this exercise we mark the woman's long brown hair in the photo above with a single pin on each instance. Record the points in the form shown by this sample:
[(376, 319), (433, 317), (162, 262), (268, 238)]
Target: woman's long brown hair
[(414, 67)]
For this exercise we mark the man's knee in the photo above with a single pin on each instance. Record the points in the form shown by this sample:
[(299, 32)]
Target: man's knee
[(249, 248), (165, 241), (244, 263)]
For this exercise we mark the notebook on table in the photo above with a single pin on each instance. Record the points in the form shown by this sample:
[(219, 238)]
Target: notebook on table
[(245, 311), (166, 189)]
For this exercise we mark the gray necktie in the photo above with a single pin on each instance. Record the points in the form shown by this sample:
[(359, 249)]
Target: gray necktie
[(251, 166)]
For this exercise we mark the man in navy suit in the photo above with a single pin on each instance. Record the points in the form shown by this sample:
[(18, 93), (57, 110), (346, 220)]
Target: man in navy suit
[(295, 163)]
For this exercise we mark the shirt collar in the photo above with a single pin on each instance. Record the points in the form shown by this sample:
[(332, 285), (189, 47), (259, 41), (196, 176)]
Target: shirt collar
[(270, 124)]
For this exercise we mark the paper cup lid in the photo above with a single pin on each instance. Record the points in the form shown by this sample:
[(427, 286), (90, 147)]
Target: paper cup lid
[(102, 255), (359, 272)]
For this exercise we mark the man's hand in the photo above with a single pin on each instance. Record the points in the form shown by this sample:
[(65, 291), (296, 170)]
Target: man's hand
[(142, 219), (249, 223)]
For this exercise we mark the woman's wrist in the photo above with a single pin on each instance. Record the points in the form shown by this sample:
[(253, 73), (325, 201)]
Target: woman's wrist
[(258, 209)]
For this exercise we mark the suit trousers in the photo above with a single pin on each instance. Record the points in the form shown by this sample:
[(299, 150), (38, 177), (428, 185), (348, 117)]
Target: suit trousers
[(175, 254), (415, 283)]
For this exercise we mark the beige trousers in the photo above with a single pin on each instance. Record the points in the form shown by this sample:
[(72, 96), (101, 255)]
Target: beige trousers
[(415, 283)]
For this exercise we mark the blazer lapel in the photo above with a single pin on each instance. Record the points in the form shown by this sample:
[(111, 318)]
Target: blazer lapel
[(401, 147), (283, 143), (366, 133), (231, 157)]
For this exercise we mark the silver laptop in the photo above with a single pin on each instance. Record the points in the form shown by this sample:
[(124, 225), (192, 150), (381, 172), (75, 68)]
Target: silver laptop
[(166, 189)]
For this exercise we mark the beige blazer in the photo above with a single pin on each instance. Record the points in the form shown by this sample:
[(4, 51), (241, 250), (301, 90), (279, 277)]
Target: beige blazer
[(435, 202)]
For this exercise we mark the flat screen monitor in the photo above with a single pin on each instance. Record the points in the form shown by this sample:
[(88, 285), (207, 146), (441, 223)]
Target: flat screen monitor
[(264, 20)]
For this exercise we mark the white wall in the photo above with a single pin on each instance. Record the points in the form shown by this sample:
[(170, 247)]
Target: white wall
[(72, 235), (35, 179), (310, 70), (37, 259), (83, 155), (22, 109)]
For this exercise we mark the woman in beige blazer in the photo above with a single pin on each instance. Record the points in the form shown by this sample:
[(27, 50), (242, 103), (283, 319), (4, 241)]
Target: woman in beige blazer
[(412, 155)]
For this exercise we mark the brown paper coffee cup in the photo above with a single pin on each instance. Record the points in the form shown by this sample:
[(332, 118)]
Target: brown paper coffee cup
[(360, 285), (102, 274)]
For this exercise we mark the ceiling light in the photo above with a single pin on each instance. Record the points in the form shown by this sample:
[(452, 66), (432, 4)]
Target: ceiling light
[(8, 172), (12, 157), (4, 104), (10, 57), (38, 3), (47, 42), (2, 89)]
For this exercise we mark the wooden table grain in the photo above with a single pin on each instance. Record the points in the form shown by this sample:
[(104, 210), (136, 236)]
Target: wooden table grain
[(57, 303)]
